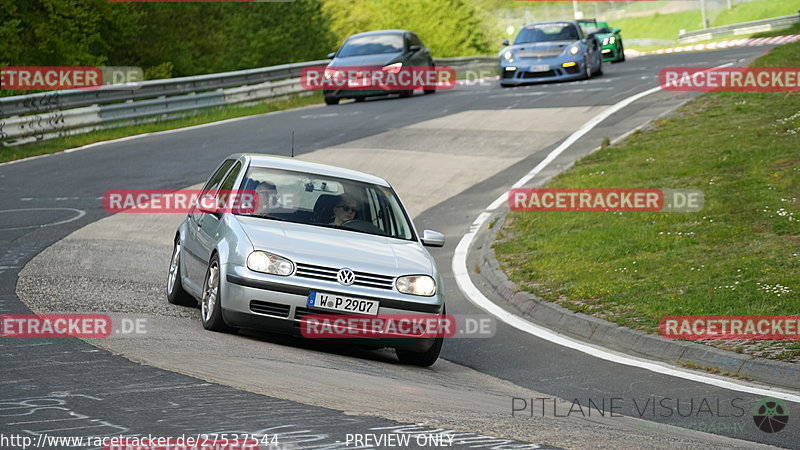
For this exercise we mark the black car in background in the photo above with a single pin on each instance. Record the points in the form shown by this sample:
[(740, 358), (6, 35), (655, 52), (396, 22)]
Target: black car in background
[(381, 49)]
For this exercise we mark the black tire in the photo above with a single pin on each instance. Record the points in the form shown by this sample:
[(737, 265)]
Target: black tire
[(599, 68), (587, 70), (175, 293), (406, 94), (621, 54), (211, 303), (506, 85), (331, 100), (424, 359), (433, 90)]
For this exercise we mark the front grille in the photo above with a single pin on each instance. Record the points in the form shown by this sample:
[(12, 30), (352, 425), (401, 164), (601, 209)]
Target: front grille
[(508, 74), (529, 75), (363, 279), (270, 309)]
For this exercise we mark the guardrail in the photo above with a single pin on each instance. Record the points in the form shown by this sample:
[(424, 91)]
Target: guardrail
[(755, 26), (41, 116)]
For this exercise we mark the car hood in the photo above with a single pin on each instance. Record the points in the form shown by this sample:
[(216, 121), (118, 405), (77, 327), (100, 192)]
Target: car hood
[(379, 60), (539, 48), (337, 248)]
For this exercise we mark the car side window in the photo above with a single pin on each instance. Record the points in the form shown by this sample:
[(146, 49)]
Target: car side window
[(416, 41), (232, 175), (227, 185), (216, 179)]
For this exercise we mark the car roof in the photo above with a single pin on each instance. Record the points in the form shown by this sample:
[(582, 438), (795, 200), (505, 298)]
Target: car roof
[(284, 163), (572, 22), (376, 32)]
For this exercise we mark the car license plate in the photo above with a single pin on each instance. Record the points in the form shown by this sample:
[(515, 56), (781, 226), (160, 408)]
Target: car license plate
[(359, 82), (343, 303), (540, 68)]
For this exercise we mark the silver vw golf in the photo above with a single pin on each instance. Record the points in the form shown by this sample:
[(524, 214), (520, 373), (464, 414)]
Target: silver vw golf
[(317, 233)]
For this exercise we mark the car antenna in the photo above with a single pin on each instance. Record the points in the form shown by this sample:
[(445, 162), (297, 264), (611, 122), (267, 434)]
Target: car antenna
[(292, 143)]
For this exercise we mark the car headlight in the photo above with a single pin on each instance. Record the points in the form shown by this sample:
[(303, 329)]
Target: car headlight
[(332, 73), (605, 41), (416, 285), (574, 50), (612, 39), (266, 262), (394, 68), (508, 56)]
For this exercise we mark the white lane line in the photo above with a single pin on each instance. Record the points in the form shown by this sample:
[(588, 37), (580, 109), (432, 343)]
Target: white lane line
[(474, 295), (78, 214)]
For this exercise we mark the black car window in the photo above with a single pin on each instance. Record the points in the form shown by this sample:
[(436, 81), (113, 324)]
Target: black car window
[(216, 179), (223, 194), (415, 40), (375, 44), (547, 32), (231, 178)]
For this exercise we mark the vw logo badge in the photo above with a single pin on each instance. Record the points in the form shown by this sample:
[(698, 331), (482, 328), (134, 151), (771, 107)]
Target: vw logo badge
[(346, 276)]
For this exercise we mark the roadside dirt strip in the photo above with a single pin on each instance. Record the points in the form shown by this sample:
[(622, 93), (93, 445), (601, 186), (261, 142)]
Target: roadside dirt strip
[(118, 265)]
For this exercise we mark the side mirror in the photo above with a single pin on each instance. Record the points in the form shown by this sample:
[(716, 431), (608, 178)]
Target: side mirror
[(415, 48), (506, 43), (208, 204), (432, 238), (616, 30), (331, 55)]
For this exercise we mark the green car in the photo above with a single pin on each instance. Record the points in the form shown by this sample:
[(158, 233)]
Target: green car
[(610, 39)]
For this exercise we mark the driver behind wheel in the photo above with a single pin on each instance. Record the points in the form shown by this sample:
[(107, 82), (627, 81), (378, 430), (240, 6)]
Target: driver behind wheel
[(345, 209), (267, 198)]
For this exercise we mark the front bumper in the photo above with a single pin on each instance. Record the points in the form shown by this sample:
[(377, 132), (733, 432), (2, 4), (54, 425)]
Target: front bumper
[(520, 71), (277, 304), (610, 52), (361, 93)]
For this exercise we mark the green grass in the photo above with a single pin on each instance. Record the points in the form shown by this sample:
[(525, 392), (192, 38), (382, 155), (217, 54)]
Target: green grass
[(765, 9), (734, 257), (658, 26), (212, 115), (666, 26), (795, 29)]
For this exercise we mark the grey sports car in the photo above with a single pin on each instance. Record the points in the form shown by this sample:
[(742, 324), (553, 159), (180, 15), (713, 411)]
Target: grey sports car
[(317, 233), (550, 51)]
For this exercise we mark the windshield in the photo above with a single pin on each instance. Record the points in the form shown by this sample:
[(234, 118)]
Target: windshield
[(547, 32), (595, 27), (375, 44), (323, 201)]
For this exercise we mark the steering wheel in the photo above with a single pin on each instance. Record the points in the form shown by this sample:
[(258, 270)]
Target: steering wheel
[(362, 225)]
